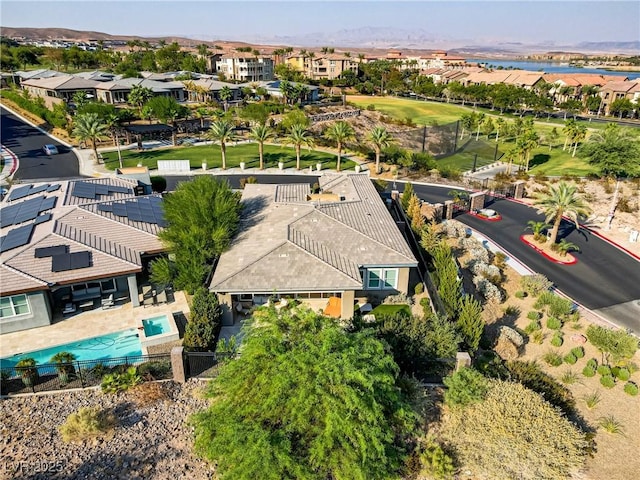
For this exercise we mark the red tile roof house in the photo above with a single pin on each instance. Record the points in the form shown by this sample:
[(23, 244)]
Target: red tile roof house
[(75, 241), (329, 250), (613, 91)]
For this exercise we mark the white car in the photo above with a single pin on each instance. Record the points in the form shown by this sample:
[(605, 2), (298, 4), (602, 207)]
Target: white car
[(50, 149)]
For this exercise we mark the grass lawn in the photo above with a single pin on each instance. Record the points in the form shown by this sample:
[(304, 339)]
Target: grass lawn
[(382, 310), (558, 163), (422, 113), (247, 153), (463, 160)]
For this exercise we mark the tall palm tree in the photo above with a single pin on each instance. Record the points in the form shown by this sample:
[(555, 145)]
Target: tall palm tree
[(529, 141), (261, 133), (299, 136), (500, 124), (113, 122), (579, 134), (222, 132), (380, 138), (340, 132), (89, 127), (225, 95), (479, 120), (561, 199), (138, 96), (569, 130)]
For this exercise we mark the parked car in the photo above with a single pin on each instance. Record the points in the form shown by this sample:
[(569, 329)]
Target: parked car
[(50, 149)]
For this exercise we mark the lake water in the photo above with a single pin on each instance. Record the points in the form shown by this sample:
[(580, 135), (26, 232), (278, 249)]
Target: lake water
[(551, 67)]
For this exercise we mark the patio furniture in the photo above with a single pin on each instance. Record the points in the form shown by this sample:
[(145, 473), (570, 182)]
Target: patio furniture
[(241, 309), (69, 308), (148, 296), (107, 302), (86, 305), (366, 308), (334, 307), (161, 297)]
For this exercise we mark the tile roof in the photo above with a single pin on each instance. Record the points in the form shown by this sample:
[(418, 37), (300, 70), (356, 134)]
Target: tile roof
[(62, 82), (289, 244), (128, 83), (116, 243)]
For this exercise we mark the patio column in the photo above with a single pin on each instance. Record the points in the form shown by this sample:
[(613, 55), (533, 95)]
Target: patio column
[(133, 290), (476, 201), (348, 301)]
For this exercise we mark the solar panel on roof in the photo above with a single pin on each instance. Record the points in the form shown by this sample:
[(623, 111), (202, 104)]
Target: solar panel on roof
[(38, 189), (42, 218), (48, 203), (70, 261), (19, 192), (105, 207), (53, 188), (16, 238), (51, 251), (102, 189)]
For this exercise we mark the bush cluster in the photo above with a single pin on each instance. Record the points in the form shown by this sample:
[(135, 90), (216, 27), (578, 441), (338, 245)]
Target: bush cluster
[(557, 339), (535, 284), (631, 388), (87, 423)]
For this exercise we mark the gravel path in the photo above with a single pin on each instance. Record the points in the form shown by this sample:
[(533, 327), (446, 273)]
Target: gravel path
[(150, 442)]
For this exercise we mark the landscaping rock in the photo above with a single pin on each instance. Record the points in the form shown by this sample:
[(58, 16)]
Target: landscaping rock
[(578, 338), (31, 446)]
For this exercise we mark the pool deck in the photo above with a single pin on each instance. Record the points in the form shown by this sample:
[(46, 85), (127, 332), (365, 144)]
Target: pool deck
[(88, 324)]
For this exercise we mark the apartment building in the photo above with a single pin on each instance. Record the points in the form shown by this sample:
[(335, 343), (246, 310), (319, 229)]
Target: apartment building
[(245, 67)]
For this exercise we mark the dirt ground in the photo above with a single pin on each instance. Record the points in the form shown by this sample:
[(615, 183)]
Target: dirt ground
[(617, 456)]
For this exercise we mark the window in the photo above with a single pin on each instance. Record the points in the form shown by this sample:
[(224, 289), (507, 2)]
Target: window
[(108, 286), (14, 306), (373, 279), (382, 278)]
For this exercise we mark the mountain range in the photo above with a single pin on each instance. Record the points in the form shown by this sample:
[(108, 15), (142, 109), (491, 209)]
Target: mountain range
[(363, 37)]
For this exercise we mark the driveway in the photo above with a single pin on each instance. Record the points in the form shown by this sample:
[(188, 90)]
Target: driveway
[(26, 143)]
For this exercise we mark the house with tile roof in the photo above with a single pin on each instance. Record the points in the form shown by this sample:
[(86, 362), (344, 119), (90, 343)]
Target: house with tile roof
[(73, 243), (60, 88), (117, 91), (613, 91), (341, 244)]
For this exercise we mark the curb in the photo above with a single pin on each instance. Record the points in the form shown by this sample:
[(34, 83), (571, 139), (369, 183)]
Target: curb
[(15, 163), (545, 255)]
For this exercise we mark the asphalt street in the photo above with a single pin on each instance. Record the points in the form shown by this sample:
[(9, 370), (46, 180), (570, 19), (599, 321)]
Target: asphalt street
[(605, 279), (26, 143)]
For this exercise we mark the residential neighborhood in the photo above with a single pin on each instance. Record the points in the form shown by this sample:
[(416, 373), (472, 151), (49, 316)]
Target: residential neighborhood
[(299, 246)]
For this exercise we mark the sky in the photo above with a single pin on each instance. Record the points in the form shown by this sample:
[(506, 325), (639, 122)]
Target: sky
[(561, 22)]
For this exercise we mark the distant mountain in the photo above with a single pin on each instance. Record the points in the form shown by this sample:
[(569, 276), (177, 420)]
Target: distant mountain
[(364, 38)]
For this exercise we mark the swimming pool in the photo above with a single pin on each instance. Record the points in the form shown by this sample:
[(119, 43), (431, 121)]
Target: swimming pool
[(156, 325), (125, 343)]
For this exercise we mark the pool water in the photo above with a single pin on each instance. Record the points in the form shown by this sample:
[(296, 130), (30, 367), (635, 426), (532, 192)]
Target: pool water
[(125, 343), (156, 326)]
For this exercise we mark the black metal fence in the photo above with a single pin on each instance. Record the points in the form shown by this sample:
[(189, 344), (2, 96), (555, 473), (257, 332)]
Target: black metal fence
[(204, 364), (80, 374), (438, 140)]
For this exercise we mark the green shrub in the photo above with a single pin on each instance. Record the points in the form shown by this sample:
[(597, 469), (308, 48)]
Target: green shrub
[(592, 400), (419, 288), (520, 294), (87, 423), (554, 323), (533, 315), (578, 352), (620, 373), (464, 387), (632, 367), (157, 369), (533, 326), (557, 339), (553, 359), (593, 363), (535, 284), (425, 303), (434, 462), (569, 377), (118, 382), (588, 371), (604, 370), (607, 381), (611, 425), (631, 388), (570, 358), (511, 310), (556, 306), (537, 337)]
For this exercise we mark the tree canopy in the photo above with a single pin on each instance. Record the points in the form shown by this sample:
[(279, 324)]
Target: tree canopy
[(305, 400), (202, 217), (614, 151)]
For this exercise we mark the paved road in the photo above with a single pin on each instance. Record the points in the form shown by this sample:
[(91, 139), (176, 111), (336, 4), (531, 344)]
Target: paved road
[(605, 279), (27, 142)]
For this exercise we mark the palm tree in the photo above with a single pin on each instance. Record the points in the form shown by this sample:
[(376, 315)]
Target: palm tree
[(479, 119), (537, 228), (340, 132), (579, 134), (561, 199), (113, 123), (529, 141), (202, 113), (89, 127), (261, 133), (569, 130), (500, 124), (223, 132), (380, 138), (138, 96), (225, 95), (299, 136)]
